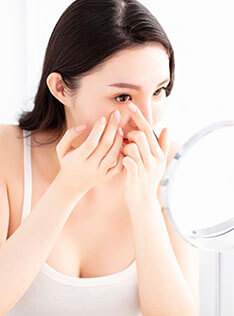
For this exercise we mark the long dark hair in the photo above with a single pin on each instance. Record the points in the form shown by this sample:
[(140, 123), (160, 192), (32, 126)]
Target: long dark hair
[(86, 34)]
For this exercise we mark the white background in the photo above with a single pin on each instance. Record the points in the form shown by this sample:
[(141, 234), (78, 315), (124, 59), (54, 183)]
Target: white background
[(201, 33)]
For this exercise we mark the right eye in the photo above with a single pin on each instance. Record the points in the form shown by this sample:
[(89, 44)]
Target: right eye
[(121, 95)]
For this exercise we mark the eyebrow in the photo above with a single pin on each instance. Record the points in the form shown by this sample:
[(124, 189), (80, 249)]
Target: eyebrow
[(132, 86)]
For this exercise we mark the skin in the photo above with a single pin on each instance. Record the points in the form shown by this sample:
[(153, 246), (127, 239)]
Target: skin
[(147, 66)]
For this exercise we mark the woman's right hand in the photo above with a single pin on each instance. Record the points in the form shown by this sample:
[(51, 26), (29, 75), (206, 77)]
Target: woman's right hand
[(84, 167)]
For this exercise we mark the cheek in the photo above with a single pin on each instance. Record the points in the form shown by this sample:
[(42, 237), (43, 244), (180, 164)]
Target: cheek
[(157, 114)]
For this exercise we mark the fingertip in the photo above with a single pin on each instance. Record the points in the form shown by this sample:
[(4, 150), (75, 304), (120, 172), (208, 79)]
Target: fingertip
[(80, 128)]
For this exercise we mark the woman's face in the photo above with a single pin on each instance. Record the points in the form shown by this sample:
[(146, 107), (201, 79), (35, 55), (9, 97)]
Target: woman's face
[(145, 66)]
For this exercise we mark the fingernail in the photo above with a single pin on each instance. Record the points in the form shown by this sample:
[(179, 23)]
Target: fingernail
[(117, 115), (103, 120), (80, 127), (132, 107), (120, 131)]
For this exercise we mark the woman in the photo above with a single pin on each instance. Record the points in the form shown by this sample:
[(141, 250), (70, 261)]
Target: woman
[(83, 233)]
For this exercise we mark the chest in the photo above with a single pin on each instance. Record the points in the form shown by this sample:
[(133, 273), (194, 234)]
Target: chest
[(91, 243)]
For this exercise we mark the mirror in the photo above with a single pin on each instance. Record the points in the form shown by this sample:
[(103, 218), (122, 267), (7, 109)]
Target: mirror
[(197, 189), (197, 194)]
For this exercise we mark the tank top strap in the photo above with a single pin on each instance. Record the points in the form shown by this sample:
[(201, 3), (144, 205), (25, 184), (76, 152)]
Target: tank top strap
[(27, 176)]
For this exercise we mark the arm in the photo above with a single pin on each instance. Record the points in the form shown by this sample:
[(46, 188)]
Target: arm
[(31, 243), (163, 290), (187, 256), (167, 279)]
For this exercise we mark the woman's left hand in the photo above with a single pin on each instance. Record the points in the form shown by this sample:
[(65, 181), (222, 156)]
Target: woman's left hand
[(144, 163)]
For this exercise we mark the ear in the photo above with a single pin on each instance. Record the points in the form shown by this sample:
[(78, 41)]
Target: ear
[(57, 88)]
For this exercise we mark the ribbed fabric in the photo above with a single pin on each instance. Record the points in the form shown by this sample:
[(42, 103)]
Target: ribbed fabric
[(55, 294)]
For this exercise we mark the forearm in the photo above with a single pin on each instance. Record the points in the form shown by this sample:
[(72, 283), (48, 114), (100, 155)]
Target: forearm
[(163, 290), (25, 251)]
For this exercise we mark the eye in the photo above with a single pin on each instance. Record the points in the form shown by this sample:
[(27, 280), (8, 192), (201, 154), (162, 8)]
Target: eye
[(160, 89), (127, 95), (121, 96)]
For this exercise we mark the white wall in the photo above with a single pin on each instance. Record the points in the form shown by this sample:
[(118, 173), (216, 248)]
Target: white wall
[(201, 33), (12, 58), (25, 28)]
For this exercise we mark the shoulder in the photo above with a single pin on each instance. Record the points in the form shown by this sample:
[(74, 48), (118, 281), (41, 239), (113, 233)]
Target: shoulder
[(9, 133), (10, 144)]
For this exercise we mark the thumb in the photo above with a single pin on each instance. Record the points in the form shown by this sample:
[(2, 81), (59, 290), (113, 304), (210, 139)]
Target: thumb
[(65, 144), (131, 167)]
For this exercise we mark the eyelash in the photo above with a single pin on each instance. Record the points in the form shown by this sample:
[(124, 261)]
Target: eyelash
[(165, 88)]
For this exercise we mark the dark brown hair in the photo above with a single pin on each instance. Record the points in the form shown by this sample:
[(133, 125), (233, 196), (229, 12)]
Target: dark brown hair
[(84, 38)]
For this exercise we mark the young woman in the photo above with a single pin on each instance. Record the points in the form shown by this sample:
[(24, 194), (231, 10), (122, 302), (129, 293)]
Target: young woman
[(82, 229)]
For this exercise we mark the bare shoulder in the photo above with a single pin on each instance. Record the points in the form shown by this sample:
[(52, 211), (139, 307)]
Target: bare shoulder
[(10, 144), (9, 133)]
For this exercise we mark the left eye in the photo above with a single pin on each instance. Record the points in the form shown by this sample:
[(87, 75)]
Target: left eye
[(124, 95)]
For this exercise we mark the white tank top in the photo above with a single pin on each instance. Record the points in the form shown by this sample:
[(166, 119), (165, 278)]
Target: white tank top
[(55, 294)]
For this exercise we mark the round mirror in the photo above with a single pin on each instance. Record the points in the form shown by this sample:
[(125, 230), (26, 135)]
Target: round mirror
[(198, 188)]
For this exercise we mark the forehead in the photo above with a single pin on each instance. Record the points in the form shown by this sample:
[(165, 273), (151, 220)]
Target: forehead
[(142, 65)]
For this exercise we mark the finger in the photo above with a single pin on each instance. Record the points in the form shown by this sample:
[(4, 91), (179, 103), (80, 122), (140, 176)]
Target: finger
[(132, 170), (111, 157), (65, 144), (117, 168), (164, 141), (131, 150), (139, 138), (144, 126), (108, 138), (91, 142)]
